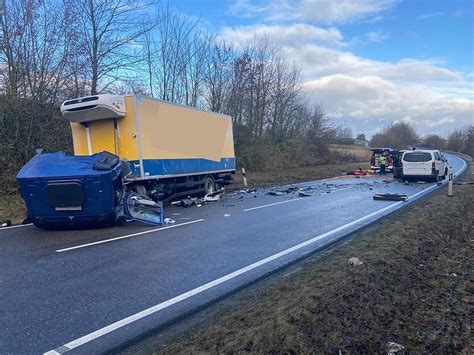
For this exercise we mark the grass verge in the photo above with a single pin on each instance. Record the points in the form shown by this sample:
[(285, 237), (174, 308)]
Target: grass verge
[(12, 208), (415, 287)]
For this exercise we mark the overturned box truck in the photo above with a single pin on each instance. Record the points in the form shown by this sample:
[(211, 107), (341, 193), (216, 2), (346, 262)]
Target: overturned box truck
[(131, 155)]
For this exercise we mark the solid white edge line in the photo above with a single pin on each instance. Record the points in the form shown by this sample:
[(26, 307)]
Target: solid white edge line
[(126, 236), (18, 226), (137, 316), (273, 204)]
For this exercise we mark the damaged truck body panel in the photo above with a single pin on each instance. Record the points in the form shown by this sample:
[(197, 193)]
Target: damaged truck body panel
[(160, 150)]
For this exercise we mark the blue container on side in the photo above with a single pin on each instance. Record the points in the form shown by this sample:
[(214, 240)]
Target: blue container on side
[(63, 191)]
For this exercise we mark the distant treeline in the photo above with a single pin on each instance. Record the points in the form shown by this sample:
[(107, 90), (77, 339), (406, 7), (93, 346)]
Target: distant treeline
[(402, 136)]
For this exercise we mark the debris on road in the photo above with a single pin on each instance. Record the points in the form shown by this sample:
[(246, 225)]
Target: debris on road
[(187, 202), (227, 215), (391, 197), (355, 262), (303, 193), (6, 223), (248, 191), (393, 347), (214, 196), (358, 172), (169, 221)]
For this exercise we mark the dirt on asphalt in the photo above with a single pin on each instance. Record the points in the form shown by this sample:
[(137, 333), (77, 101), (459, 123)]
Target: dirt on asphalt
[(414, 288), (294, 175)]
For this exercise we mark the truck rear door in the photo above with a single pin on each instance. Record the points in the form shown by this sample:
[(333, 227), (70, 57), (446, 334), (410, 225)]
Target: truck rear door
[(103, 136)]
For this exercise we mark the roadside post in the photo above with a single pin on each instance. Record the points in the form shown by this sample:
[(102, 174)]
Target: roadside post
[(245, 177), (450, 182)]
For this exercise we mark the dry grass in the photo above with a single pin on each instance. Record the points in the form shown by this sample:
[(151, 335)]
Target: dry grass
[(12, 208), (359, 153)]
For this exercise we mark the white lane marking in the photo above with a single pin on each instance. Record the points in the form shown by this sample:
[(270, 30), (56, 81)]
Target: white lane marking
[(273, 204), (18, 226), (127, 236), (137, 316)]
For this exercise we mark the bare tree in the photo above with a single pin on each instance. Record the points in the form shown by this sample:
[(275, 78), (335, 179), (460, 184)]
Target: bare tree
[(36, 47), (344, 132), (456, 140), (434, 141), (217, 75), (109, 30), (182, 47)]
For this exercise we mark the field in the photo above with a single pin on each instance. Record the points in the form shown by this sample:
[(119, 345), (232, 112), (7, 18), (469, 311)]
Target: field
[(414, 288), (360, 153)]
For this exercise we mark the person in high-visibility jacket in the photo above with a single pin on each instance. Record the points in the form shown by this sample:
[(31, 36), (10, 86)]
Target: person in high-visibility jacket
[(383, 164)]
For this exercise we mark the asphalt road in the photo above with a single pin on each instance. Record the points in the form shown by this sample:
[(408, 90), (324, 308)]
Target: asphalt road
[(90, 291)]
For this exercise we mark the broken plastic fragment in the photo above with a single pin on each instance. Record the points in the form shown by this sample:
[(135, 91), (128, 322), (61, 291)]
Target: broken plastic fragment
[(302, 193), (214, 196), (393, 348), (355, 262)]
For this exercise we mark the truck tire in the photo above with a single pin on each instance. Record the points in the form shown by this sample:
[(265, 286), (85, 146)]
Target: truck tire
[(209, 185)]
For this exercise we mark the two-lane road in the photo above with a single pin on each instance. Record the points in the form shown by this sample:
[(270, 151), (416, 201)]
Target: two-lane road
[(89, 291)]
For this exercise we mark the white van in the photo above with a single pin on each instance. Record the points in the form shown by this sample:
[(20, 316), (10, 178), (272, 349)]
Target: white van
[(424, 164)]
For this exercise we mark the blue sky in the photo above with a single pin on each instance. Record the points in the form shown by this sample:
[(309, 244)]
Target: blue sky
[(368, 62)]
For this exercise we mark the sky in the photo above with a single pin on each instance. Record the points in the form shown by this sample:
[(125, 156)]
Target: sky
[(368, 62)]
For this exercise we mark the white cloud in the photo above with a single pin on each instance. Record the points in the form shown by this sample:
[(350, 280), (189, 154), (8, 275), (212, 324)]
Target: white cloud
[(292, 35), (429, 15), (362, 93), (245, 9), (343, 11), (376, 36), (368, 104), (319, 11), (316, 60)]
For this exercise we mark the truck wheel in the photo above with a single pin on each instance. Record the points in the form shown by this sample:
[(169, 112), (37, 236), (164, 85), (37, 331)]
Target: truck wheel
[(209, 185)]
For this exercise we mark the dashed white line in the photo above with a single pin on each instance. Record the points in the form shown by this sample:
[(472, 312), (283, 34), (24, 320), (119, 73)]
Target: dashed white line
[(18, 226), (126, 236), (273, 204)]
